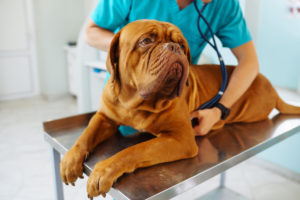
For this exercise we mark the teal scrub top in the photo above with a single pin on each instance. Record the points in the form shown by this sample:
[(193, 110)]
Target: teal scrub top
[(224, 16)]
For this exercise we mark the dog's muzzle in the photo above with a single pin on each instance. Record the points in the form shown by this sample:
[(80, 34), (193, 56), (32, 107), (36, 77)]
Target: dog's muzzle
[(171, 86), (168, 69)]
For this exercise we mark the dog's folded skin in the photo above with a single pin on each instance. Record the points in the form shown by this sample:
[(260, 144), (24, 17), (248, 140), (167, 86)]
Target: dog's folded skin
[(153, 88)]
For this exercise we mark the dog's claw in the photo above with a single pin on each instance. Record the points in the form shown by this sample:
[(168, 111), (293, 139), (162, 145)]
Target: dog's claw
[(73, 184), (81, 177)]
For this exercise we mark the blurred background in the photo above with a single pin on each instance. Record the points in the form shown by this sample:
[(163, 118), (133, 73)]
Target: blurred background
[(47, 71)]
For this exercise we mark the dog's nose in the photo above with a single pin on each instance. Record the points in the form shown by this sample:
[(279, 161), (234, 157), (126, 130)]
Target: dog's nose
[(174, 47)]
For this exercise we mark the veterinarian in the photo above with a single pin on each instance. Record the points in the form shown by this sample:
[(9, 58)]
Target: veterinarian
[(225, 18)]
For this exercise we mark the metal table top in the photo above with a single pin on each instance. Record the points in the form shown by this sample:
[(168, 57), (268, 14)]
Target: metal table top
[(218, 151)]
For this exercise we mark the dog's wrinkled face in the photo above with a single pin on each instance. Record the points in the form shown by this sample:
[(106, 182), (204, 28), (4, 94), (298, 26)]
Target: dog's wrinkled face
[(152, 57)]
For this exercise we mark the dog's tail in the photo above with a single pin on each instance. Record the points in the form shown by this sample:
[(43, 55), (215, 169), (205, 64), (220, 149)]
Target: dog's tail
[(286, 108)]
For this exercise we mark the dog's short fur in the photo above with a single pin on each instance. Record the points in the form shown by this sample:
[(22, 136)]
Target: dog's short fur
[(153, 88)]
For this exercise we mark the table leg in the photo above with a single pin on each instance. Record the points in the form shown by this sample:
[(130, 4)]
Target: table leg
[(222, 179), (58, 187), (222, 193)]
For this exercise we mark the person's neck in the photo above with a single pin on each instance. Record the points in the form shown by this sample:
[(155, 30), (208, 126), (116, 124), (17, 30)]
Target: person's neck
[(183, 3)]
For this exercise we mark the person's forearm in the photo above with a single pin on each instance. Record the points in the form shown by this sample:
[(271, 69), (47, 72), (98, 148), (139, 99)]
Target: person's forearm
[(98, 37), (239, 82), (242, 76)]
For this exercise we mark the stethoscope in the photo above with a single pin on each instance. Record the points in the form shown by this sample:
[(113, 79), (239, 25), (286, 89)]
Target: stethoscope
[(217, 97)]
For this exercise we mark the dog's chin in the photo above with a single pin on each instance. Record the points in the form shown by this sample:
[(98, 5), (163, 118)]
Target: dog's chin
[(175, 93), (171, 93), (175, 81), (172, 87)]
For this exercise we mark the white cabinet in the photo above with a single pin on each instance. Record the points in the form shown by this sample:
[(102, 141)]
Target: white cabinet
[(71, 55), (97, 74)]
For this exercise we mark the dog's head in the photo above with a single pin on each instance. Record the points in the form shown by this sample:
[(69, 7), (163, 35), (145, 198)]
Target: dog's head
[(150, 57)]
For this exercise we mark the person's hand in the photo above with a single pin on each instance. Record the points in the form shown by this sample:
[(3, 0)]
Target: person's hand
[(207, 118)]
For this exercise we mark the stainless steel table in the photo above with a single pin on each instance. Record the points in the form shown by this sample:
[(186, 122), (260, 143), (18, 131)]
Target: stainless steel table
[(218, 151)]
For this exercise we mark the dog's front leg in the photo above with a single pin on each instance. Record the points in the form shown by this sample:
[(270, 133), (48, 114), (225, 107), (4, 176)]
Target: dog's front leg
[(98, 129), (164, 148)]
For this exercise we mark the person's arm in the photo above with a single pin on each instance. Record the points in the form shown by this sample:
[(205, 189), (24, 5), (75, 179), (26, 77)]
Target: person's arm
[(243, 75), (98, 37), (241, 78)]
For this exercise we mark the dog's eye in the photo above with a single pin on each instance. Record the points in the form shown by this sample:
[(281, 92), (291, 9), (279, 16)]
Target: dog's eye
[(146, 41), (182, 46)]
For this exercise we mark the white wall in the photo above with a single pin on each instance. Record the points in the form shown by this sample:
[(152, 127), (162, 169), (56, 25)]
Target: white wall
[(278, 43), (278, 49), (252, 13), (57, 22), (89, 6)]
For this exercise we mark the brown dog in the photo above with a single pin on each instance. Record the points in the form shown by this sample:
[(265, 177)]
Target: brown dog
[(152, 90)]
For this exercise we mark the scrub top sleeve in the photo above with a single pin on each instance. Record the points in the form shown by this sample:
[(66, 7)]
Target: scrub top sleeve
[(111, 14), (233, 30)]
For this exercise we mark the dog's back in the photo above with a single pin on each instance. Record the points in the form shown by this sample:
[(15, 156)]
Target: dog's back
[(255, 104)]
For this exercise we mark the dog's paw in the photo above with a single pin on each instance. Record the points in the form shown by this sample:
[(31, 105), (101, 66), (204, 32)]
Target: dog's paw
[(101, 179), (71, 166)]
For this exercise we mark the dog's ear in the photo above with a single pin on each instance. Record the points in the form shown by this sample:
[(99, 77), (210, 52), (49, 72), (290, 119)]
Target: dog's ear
[(189, 57), (188, 54), (112, 62)]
